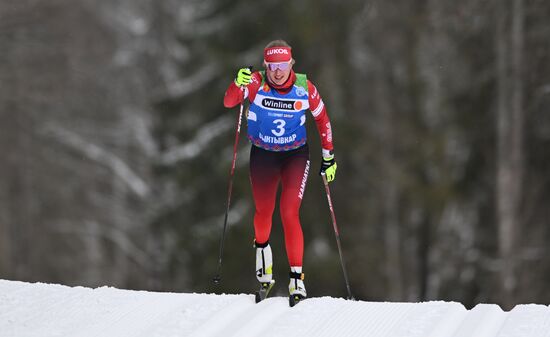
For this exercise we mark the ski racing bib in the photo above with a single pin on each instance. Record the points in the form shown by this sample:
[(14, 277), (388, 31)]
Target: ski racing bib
[(276, 122)]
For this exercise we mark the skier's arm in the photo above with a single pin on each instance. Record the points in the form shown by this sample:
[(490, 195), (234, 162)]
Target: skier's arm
[(322, 120), (234, 95), (319, 112)]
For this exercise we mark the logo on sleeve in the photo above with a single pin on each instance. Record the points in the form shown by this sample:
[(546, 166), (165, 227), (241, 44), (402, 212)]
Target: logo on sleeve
[(314, 94)]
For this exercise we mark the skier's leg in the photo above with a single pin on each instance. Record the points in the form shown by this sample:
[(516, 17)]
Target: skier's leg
[(294, 177), (264, 177)]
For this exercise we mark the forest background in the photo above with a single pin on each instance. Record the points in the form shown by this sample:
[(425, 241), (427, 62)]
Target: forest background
[(115, 148)]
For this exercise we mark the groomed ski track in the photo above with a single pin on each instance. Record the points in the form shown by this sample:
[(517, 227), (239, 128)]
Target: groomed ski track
[(52, 310)]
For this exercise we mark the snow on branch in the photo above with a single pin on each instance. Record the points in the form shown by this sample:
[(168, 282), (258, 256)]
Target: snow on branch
[(194, 147), (101, 156), (188, 85)]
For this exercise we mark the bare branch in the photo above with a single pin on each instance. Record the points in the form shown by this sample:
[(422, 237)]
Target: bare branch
[(101, 156), (192, 149)]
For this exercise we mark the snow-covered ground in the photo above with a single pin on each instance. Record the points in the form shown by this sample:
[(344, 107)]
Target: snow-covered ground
[(45, 310)]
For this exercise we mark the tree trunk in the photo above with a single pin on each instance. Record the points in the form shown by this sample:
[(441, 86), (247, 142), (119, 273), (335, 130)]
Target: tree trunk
[(392, 233), (510, 121)]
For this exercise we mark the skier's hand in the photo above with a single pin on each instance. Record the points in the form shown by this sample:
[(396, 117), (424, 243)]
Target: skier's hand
[(328, 168), (244, 77)]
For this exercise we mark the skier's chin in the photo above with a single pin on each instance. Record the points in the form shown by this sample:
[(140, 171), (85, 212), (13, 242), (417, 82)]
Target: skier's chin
[(278, 81)]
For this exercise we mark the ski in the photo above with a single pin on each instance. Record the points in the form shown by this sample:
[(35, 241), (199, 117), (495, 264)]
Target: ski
[(265, 288), (295, 299)]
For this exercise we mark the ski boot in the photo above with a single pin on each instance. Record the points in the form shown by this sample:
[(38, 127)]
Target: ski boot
[(296, 287), (264, 270)]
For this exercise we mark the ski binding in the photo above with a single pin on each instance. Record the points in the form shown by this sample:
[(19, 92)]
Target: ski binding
[(295, 299), (265, 288)]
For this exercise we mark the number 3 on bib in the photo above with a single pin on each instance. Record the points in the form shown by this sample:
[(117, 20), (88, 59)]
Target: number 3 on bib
[(280, 126)]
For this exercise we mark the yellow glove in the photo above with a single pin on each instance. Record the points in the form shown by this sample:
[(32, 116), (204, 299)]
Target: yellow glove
[(328, 167), (244, 77)]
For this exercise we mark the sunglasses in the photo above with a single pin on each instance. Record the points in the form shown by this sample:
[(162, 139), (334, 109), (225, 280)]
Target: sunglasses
[(282, 66)]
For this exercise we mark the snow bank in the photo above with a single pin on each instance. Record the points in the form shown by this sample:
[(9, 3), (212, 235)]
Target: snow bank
[(47, 310)]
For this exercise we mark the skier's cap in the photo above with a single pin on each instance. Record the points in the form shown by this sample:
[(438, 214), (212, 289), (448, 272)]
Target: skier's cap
[(277, 54)]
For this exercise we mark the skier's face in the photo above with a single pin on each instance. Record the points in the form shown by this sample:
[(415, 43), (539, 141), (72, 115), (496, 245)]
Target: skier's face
[(278, 72)]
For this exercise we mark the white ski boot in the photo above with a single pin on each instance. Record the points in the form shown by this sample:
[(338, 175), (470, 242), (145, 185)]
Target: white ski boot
[(296, 287), (264, 270)]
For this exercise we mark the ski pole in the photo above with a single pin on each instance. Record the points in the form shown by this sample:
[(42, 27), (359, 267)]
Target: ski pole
[(217, 279), (337, 234)]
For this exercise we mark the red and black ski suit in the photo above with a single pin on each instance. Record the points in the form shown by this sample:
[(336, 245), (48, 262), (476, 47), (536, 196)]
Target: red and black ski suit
[(288, 166)]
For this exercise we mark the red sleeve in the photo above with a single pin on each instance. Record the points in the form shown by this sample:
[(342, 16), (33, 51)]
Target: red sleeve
[(234, 95), (319, 112)]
